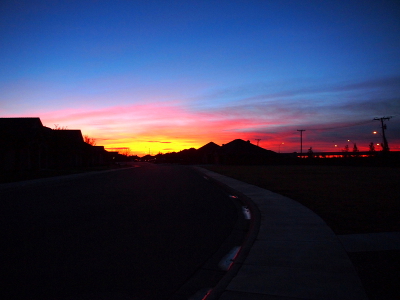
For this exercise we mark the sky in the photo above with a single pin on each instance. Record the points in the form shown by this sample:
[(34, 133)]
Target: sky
[(163, 76)]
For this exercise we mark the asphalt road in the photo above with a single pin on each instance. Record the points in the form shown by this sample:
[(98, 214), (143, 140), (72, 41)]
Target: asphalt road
[(136, 233)]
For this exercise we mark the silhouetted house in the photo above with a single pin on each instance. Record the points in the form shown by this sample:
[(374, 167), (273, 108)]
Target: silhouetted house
[(242, 152), (23, 144), (171, 157), (188, 156), (67, 149), (96, 155), (113, 156), (207, 154)]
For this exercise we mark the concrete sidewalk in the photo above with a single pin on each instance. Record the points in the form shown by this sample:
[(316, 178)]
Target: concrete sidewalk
[(294, 255)]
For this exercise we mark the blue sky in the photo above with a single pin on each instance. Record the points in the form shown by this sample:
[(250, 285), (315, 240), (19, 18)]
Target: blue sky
[(183, 73)]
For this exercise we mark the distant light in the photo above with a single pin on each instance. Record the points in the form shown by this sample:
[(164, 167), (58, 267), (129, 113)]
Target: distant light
[(335, 145), (375, 132), (348, 140), (377, 144)]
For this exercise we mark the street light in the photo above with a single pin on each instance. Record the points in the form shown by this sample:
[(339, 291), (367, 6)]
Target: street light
[(279, 147), (385, 145), (378, 144)]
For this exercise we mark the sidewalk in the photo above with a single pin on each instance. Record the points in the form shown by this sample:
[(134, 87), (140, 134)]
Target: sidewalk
[(294, 255)]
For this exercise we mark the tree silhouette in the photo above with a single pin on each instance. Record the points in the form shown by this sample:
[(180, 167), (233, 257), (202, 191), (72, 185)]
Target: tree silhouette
[(310, 153), (125, 151), (371, 147), (355, 150), (56, 127), (89, 140)]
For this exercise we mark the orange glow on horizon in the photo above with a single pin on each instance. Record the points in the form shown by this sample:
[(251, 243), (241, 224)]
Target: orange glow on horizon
[(162, 127)]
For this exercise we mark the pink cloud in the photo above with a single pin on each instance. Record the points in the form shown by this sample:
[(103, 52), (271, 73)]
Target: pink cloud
[(181, 126)]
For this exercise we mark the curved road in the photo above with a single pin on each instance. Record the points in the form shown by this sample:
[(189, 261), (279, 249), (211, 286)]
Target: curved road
[(137, 233)]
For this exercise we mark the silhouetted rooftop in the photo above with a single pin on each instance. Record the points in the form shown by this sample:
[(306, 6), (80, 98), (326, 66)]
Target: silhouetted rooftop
[(209, 148), (21, 129), (240, 146), (68, 136)]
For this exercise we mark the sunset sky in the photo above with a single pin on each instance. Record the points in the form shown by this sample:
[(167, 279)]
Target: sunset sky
[(163, 76)]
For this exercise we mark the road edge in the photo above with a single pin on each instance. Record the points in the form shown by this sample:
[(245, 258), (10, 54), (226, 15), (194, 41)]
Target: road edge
[(254, 225)]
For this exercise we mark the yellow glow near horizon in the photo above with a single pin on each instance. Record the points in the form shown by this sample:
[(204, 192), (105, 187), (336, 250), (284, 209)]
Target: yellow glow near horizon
[(168, 127), (153, 146)]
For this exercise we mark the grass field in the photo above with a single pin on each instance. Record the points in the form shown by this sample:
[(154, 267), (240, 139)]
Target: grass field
[(349, 199)]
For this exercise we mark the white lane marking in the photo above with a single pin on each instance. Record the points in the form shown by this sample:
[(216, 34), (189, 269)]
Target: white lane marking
[(246, 212), (228, 259)]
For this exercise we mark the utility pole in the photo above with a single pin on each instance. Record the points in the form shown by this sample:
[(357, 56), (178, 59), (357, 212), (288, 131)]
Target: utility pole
[(258, 141), (301, 140), (385, 145)]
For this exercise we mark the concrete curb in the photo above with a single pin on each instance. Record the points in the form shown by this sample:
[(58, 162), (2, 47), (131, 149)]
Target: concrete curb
[(252, 233)]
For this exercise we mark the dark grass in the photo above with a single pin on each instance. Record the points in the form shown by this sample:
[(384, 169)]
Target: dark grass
[(350, 199), (379, 272)]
